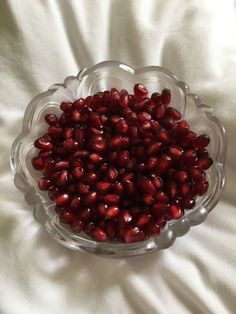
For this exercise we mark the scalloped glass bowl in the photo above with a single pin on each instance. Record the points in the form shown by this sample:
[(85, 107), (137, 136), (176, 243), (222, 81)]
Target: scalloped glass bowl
[(104, 76)]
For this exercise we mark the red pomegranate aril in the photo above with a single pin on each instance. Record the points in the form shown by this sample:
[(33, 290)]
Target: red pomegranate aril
[(75, 202), (166, 96), (62, 164), (76, 225), (69, 144), (161, 197), (44, 154), (51, 119), (62, 178), (153, 229), (68, 133), (99, 234), (102, 209), (38, 163), (156, 99), (118, 188), (61, 198), (115, 142), (146, 185), (90, 178), (134, 132), (181, 175), (204, 163), (142, 220), (157, 181), (111, 199), (79, 135), (184, 189), (112, 174), (129, 187), (131, 118), (171, 187), (85, 215), (175, 151), (151, 163), (65, 106), (123, 157), (95, 158), (75, 115), (175, 211), (201, 187), (201, 141), (44, 183), (79, 104), (163, 136), (98, 145), (78, 172), (164, 162), (95, 120), (131, 234), (145, 126), (188, 203), (143, 116), (153, 148), (80, 154), (54, 131), (43, 143), (183, 127), (148, 199), (83, 188), (112, 212), (121, 127), (124, 99), (140, 91), (159, 112), (174, 113), (67, 216), (90, 198), (103, 186), (159, 207)]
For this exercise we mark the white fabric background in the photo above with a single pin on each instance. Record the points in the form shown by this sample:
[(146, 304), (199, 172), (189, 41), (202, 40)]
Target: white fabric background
[(41, 42)]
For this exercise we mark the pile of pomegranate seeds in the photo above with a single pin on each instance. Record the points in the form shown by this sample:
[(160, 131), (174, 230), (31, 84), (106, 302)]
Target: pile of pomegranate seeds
[(118, 166)]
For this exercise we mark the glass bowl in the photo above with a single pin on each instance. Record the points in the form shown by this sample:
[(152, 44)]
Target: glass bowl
[(100, 77)]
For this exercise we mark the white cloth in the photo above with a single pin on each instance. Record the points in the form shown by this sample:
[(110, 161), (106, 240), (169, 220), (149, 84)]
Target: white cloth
[(42, 42)]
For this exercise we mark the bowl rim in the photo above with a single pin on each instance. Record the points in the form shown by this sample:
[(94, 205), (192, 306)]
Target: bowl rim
[(119, 246)]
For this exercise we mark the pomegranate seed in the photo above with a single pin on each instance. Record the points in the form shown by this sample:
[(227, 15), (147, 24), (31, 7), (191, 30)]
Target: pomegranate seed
[(151, 163), (164, 162), (129, 187), (124, 98), (204, 163), (183, 127), (83, 188), (79, 104), (163, 136), (90, 198), (112, 174), (102, 209), (44, 183), (121, 127), (78, 172), (159, 112), (143, 116), (172, 188), (201, 141), (131, 118), (51, 119), (146, 185), (161, 196), (103, 186), (43, 143), (153, 229), (131, 235), (61, 199), (90, 178), (112, 211), (174, 113), (184, 189), (140, 91), (123, 157), (116, 142), (44, 154), (75, 202), (76, 225), (159, 207), (201, 187), (99, 234), (156, 99), (148, 199), (62, 178), (67, 216), (38, 163), (166, 96), (175, 211), (158, 182), (111, 198), (143, 219), (65, 106), (175, 151), (153, 148), (125, 218), (118, 188), (188, 203), (181, 176)]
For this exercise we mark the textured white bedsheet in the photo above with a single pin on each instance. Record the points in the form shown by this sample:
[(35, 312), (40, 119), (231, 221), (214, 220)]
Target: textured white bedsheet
[(41, 42)]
